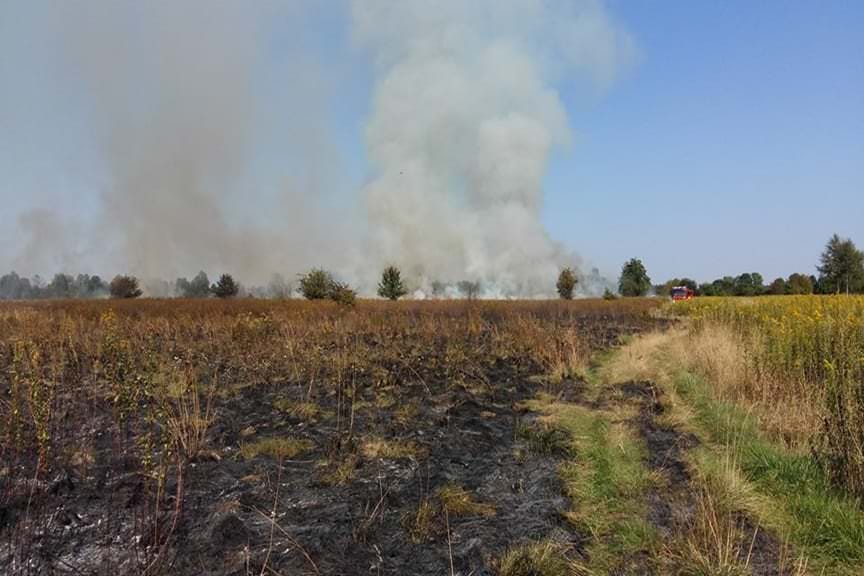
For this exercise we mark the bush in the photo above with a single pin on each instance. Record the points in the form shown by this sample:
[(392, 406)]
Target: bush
[(342, 294), (316, 284), (391, 285), (609, 295), (124, 287), (226, 287), (802, 351), (566, 284)]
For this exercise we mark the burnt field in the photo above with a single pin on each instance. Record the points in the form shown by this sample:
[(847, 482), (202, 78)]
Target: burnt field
[(252, 437)]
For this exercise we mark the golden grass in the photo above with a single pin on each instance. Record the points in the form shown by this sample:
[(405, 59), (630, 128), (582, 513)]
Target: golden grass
[(457, 501), (338, 472), (374, 448), (421, 524), (306, 411), (544, 558), (276, 448)]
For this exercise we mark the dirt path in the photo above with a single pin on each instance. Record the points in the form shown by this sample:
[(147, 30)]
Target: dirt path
[(671, 505), (673, 501)]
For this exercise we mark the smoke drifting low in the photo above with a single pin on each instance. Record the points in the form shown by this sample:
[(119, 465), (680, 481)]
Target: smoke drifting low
[(177, 103), (183, 112)]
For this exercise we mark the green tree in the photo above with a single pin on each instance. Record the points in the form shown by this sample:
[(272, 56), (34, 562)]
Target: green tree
[(439, 289), (316, 284), (14, 287), (634, 279), (567, 281), (799, 284), (199, 287), (226, 287), (124, 287), (723, 286), (749, 284), (391, 285), (841, 266), (778, 287), (61, 286), (92, 286)]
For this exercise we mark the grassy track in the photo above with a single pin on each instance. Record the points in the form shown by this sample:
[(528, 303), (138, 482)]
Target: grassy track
[(606, 480), (761, 506)]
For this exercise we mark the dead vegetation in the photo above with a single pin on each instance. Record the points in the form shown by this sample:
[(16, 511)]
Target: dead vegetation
[(128, 426)]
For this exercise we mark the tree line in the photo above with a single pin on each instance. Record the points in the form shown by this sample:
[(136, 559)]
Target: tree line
[(841, 269), (84, 286)]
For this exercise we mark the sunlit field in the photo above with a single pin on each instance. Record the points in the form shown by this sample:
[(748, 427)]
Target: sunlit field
[(243, 436), (803, 353)]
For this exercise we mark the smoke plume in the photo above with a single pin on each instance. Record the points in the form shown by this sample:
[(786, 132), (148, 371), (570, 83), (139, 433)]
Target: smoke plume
[(464, 119), (181, 112), (188, 105)]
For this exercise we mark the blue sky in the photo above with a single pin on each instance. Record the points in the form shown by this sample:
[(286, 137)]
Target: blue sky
[(736, 141), (733, 142)]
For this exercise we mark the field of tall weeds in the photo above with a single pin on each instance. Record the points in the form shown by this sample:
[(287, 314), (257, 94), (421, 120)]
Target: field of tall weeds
[(799, 360)]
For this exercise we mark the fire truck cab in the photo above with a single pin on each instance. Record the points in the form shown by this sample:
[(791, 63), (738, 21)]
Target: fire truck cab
[(680, 293)]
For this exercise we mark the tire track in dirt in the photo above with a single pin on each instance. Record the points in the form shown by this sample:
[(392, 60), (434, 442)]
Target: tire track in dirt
[(672, 506)]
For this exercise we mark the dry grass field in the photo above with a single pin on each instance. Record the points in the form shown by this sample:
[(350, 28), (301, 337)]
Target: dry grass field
[(250, 437)]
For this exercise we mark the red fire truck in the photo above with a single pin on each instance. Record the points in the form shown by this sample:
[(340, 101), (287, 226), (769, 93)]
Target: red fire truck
[(680, 293)]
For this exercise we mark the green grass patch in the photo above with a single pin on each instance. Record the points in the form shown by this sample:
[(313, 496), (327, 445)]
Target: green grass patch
[(789, 491), (607, 480), (594, 376)]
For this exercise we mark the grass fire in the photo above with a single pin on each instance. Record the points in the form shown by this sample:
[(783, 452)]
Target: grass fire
[(409, 288)]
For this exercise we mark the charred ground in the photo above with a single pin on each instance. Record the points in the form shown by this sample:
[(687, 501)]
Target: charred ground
[(253, 437)]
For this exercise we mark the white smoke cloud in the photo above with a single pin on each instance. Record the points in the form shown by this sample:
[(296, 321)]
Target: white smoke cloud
[(179, 103), (464, 119)]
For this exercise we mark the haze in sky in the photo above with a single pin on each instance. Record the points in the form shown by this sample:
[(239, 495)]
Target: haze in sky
[(488, 140)]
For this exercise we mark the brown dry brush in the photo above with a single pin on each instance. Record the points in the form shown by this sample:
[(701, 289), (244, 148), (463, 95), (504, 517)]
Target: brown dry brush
[(120, 389)]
